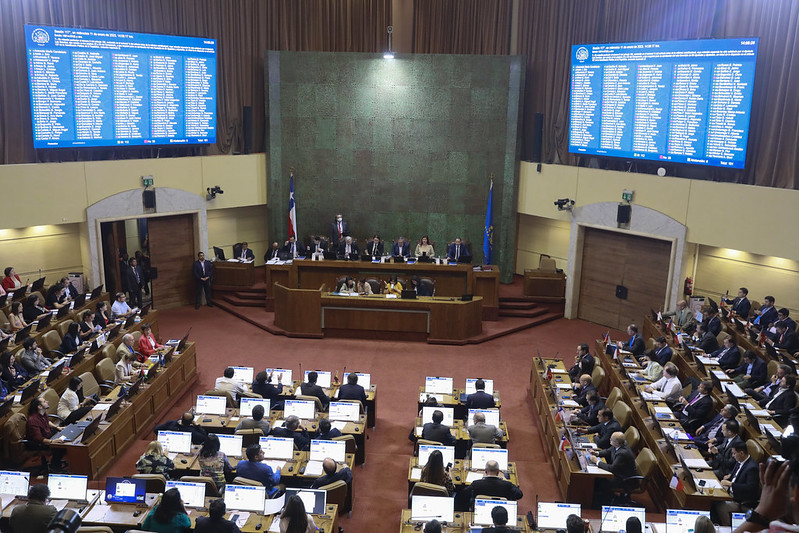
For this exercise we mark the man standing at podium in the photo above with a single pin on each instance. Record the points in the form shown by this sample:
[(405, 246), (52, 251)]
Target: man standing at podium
[(338, 230)]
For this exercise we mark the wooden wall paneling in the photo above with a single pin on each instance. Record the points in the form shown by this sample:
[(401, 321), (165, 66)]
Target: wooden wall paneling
[(172, 253)]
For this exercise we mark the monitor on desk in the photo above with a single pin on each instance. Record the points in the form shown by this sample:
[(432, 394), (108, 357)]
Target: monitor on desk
[(614, 519), (230, 445), (470, 389), (347, 411), (364, 380), (280, 373), (682, 520), (211, 405), (243, 374), (303, 409), (335, 449), (67, 486), (323, 377), (449, 414), (192, 494), (175, 441), (315, 500), (245, 498), (56, 370), (754, 423), (438, 385), (426, 449), (480, 456), (14, 483), (426, 508), (125, 490), (737, 520), (30, 391), (483, 508), (277, 447), (245, 409), (492, 416), (554, 515)]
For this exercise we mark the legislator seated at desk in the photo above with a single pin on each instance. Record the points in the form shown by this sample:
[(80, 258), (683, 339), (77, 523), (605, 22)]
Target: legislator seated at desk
[(493, 485), (348, 250), (401, 248), (480, 399), (35, 515), (255, 469), (310, 388), (436, 430), (751, 373), (606, 427), (459, 252), (729, 356), (273, 253), (620, 462), (215, 522), (743, 484), (635, 344), (187, 424), (294, 248), (291, 429)]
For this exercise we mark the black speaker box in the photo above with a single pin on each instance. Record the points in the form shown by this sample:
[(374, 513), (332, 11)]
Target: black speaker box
[(148, 198), (246, 126), (623, 214)]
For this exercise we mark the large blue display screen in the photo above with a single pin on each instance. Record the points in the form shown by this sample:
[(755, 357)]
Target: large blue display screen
[(114, 88), (670, 101)]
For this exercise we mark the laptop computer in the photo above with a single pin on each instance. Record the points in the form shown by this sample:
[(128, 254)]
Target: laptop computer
[(113, 333), (6, 406), (67, 487), (96, 292), (130, 321), (30, 391), (125, 490), (315, 500), (23, 334), (91, 429), (55, 371), (38, 284), (80, 300), (408, 294), (44, 322), (114, 409), (62, 312), (330, 256), (72, 431), (145, 309), (183, 341), (754, 423)]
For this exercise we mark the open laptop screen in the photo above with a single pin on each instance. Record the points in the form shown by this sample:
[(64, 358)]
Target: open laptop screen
[(245, 409), (553, 515), (737, 520), (230, 445), (192, 494), (348, 411), (335, 449), (480, 456), (125, 490), (280, 373), (438, 385), (67, 486), (245, 497), (483, 508), (315, 500), (426, 449), (323, 377), (614, 519), (364, 380), (277, 447), (682, 520), (470, 389), (211, 405), (303, 409), (244, 374), (15, 483), (175, 441), (492, 416), (428, 508), (449, 414)]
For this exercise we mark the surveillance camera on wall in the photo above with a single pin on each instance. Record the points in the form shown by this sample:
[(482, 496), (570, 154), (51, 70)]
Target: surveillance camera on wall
[(213, 191), (564, 204)]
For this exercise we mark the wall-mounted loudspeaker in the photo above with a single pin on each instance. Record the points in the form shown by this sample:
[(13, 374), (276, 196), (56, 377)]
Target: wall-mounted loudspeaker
[(623, 214), (148, 198)]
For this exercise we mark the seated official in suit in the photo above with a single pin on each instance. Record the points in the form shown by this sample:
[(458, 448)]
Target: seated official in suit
[(697, 409), (186, 424), (333, 472), (741, 304), (420, 288), (228, 384), (125, 369), (785, 339), (256, 421), (480, 399), (683, 317), (318, 245), (766, 315), (438, 432), (273, 252), (245, 254), (326, 430), (783, 315), (583, 363), (434, 472), (588, 415), (583, 387), (752, 373), (291, 430), (482, 432), (499, 518), (424, 248), (663, 351), (720, 453), (215, 521), (32, 360), (711, 432), (668, 388), (729, 356), (351, 390), (401, 248), (711, 319), (294, 248), (653, 370), (492, 484), (779, 406), (635, 344), (620, 461), (125, 347), (254, 468), (743, 484), (263, 385), (36, 514), (347, 249), (458, 252), (705, 340), (375, 247), (607, 426), (310, 388), (773, 385)]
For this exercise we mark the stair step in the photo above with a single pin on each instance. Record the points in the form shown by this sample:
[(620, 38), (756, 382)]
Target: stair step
[(517, 305), (524, 313), (238, 302), (260, 296)]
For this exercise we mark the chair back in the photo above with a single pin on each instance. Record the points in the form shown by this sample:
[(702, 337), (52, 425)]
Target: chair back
[(109, 351), (375, 284), (155, 483), (314, 399), (755, 450), (428, 442), (105, 369), (14, 432), (250, 436), (90, 385), (62, 327), (226, 394), (598, 376), (646, 462), (98, 529), (210, 485), (420, 488), (337, 493), (633, 437), (52, 398), (354, 401), (772, 367), (613, 397), (650, 344), (238, 480), (623, 413), (492, 445), (51, 340), (430, 284), (350, 446)]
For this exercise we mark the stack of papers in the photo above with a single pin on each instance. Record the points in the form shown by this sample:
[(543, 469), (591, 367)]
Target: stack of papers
[(338, 424), (274, 464), (313, 468), (569, 403)]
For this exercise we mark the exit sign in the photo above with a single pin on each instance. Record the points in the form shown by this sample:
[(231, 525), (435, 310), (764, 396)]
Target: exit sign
[(627, 196), (147, 181)]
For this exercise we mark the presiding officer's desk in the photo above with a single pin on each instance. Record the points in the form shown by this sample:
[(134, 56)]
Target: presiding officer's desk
[(234, 273), (459, 525)]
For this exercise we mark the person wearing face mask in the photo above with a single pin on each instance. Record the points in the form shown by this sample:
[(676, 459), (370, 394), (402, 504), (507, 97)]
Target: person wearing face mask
[(338, 230)]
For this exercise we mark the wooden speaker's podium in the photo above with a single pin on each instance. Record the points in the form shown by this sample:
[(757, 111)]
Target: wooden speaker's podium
[(298, 312)]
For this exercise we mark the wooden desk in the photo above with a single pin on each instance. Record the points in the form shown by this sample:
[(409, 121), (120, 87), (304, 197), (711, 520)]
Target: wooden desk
[(327, 523), (234, 273), (454, 400), (459, 525)]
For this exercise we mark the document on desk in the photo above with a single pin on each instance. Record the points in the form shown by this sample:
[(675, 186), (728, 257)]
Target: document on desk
[(629, 365), (564, 386), (97, 514), (734, 389), (721, 375), (416, 473), (593, 469), (558, 371), (275, 526), (569, 403), (695, 463), (661, 409), (761, 413), (313, 468), (650, 397), (243, 517), (676, 434), (712, 483), (59, 504), (274, 506), (274, 464), (419, 430), (102, 407), (338, 424), (471, 477), (172, 455)]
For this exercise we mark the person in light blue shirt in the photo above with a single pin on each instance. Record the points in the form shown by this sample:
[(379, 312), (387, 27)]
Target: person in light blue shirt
[(253, 468)]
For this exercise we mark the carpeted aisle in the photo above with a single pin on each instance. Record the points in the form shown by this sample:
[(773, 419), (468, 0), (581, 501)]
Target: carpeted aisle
[(398, 368)]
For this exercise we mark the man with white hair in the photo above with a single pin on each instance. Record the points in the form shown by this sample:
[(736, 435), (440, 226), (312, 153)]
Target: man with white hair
[(348, 249)]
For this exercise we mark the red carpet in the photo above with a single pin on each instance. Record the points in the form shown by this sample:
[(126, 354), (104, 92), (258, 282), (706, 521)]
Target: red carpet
[(398, 368)]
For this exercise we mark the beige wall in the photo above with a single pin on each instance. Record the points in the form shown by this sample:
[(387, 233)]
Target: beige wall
[(53, 236)]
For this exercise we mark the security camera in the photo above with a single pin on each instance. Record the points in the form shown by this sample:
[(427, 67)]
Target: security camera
[(564, 204), (213, 191)]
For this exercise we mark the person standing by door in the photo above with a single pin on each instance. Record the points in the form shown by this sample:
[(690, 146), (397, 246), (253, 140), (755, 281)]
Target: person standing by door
[(203, 272)]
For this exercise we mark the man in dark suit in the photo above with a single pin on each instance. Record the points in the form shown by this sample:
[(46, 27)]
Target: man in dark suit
[(743, 484), (438, 432), (740, 305), (318, 245), (401, 248), (663, 351), (712, 432), (294, 248), (694, 411), (635, 344), (203, 272), (332, 472), (619, 457), (499, 517), (491, 484), (375, 247), (310, 388), (752, 373), (712, 320), (606, 427), (783, 314), (338, 230), (347, 249), (785, 339), (135, 281), (721, 452), (766, 314), (457, 251), (289, 430), (245, 254), (779, 406), (35, 515), (584, 363), (770, 389), (262, 384), (589, 415), (351, 390), (480, 399), (707, 342), (586, 385), (273, 252), (728, 355), (185, 424)]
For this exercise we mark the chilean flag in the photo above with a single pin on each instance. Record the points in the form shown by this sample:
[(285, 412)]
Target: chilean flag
[(292, 209)]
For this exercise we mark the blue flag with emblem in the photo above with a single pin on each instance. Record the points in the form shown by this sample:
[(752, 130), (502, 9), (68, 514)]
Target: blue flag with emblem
[(488, 237)]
